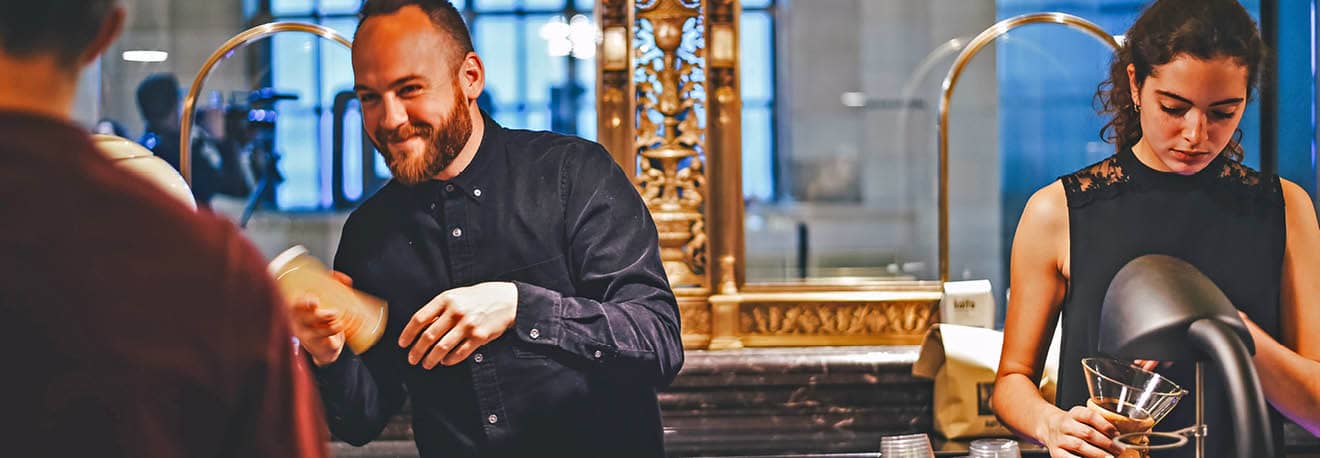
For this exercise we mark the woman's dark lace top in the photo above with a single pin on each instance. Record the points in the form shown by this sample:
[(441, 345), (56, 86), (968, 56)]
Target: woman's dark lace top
[(1227, 220)]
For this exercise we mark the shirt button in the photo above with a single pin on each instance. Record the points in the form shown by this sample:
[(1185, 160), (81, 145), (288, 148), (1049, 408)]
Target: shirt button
[(596, 354), (478, 358), (458, 232), (449, 188), (535, 333), (493, 419), (432, 206), (476, 192)]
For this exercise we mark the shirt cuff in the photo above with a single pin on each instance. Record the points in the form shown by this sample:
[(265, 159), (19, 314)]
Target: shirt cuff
[(332, 373), (537, 320)]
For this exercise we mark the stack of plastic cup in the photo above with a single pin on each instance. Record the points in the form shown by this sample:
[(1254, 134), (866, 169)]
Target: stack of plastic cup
[(906, 446), (995, 448)]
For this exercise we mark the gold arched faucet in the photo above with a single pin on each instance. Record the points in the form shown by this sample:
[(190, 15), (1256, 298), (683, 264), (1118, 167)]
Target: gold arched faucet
[(244, 38), (946, 94)]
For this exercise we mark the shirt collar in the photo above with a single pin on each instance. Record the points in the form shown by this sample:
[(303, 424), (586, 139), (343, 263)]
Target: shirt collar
[(473, 180), (477, 174)]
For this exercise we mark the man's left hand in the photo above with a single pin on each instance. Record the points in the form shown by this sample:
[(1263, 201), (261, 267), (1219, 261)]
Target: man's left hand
[(459, 321)]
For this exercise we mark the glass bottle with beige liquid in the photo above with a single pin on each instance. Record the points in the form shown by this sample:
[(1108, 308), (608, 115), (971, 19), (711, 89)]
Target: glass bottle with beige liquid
[(300, 274), (1130, 398)]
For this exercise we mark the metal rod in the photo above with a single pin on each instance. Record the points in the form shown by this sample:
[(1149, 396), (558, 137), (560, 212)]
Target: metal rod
[(951, 80), (1200, 409), (225, 50)]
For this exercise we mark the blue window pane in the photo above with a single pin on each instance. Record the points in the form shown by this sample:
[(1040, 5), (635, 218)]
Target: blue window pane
[(353, 151), (340, 6), (501, 59), (460, 4), (757, 50), (488, 5), (587, 120), (508, 118), (295, 141), (543, 70), (750, 4), (586, 73), (584, 5), (336, 64), (293, 70), (538, 119), (290, 7), (325, 156), (758, 140), (293, 65), (345, 26), (544, 5), (382, 170)]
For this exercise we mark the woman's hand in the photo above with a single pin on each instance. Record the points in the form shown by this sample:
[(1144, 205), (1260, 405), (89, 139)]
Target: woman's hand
[(1079, 432)]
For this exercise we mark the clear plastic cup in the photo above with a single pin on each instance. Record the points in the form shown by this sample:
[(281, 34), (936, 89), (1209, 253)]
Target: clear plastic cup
[(994, 448), (299, 274), (906, 446)]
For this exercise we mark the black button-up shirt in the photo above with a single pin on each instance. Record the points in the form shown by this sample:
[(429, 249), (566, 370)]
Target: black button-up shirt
[(597, 329)]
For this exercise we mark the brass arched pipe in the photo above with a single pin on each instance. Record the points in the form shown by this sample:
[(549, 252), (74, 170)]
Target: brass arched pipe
[(244, 38), (959, 64)]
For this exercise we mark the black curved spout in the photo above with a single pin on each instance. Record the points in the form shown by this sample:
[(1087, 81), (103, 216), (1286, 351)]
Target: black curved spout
[(1162, 308), (1251, 419)]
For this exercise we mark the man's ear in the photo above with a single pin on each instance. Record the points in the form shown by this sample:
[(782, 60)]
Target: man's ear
[(109, 31), (472, 76)]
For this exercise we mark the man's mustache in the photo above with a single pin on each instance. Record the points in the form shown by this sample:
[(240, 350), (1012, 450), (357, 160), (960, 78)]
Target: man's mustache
[(403, 132)]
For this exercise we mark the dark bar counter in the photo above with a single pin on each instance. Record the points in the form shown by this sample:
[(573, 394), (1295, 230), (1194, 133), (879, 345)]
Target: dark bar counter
[(788, 402)]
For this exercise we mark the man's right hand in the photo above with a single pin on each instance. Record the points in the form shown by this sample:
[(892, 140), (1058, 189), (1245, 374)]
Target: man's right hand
[(1079, 432), (319, 331)]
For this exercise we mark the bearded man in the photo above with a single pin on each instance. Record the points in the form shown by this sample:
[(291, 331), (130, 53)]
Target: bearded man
[(529, 312)]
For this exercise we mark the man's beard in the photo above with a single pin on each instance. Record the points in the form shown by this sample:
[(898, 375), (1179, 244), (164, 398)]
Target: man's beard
[(442, 144)]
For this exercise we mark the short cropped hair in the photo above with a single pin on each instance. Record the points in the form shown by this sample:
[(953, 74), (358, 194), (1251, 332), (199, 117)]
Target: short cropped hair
[(59, 28)]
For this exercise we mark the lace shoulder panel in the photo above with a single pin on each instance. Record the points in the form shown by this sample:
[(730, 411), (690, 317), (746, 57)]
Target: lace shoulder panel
[(1101, 180), (1249, 185)]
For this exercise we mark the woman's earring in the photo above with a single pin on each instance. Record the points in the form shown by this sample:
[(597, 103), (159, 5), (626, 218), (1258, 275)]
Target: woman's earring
[(1136, 108)]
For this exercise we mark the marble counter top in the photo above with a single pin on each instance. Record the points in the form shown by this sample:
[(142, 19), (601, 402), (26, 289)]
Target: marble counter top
[(785, 402)]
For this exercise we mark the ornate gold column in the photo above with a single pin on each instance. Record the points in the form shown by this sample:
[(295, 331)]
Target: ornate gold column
[(667, 108), (615, 110)]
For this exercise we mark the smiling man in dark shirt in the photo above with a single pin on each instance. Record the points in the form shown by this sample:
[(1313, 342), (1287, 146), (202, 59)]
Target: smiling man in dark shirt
[(529, 310)]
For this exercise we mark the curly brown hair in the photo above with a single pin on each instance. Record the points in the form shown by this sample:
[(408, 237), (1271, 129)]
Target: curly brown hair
[(1204, 29)]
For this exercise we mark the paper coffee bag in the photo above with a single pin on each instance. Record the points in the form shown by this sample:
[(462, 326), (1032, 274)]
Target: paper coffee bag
[(962, 361)]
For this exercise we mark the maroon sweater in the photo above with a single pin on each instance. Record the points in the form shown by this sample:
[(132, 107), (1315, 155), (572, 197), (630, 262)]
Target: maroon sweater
[(133, 326)]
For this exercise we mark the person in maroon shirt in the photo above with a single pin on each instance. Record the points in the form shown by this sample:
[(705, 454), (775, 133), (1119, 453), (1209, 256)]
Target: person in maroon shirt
[(132, 326)]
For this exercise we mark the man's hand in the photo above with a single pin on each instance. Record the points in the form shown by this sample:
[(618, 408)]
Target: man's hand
[(458, 321), (319, 331)]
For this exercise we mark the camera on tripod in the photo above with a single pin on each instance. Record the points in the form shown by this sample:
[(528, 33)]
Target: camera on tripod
[(249, 123)]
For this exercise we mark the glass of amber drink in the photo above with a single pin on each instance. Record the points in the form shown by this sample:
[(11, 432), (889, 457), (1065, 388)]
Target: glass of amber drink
[(299, 274), (1130, 398)]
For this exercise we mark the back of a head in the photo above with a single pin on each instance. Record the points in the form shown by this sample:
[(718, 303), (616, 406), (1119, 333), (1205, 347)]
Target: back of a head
[(158, 96), (443, 15), (1203, 29), (62, 29)]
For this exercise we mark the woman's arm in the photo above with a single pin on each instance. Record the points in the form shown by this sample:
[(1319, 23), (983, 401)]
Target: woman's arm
[(1289, 370), (1039, 281)]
